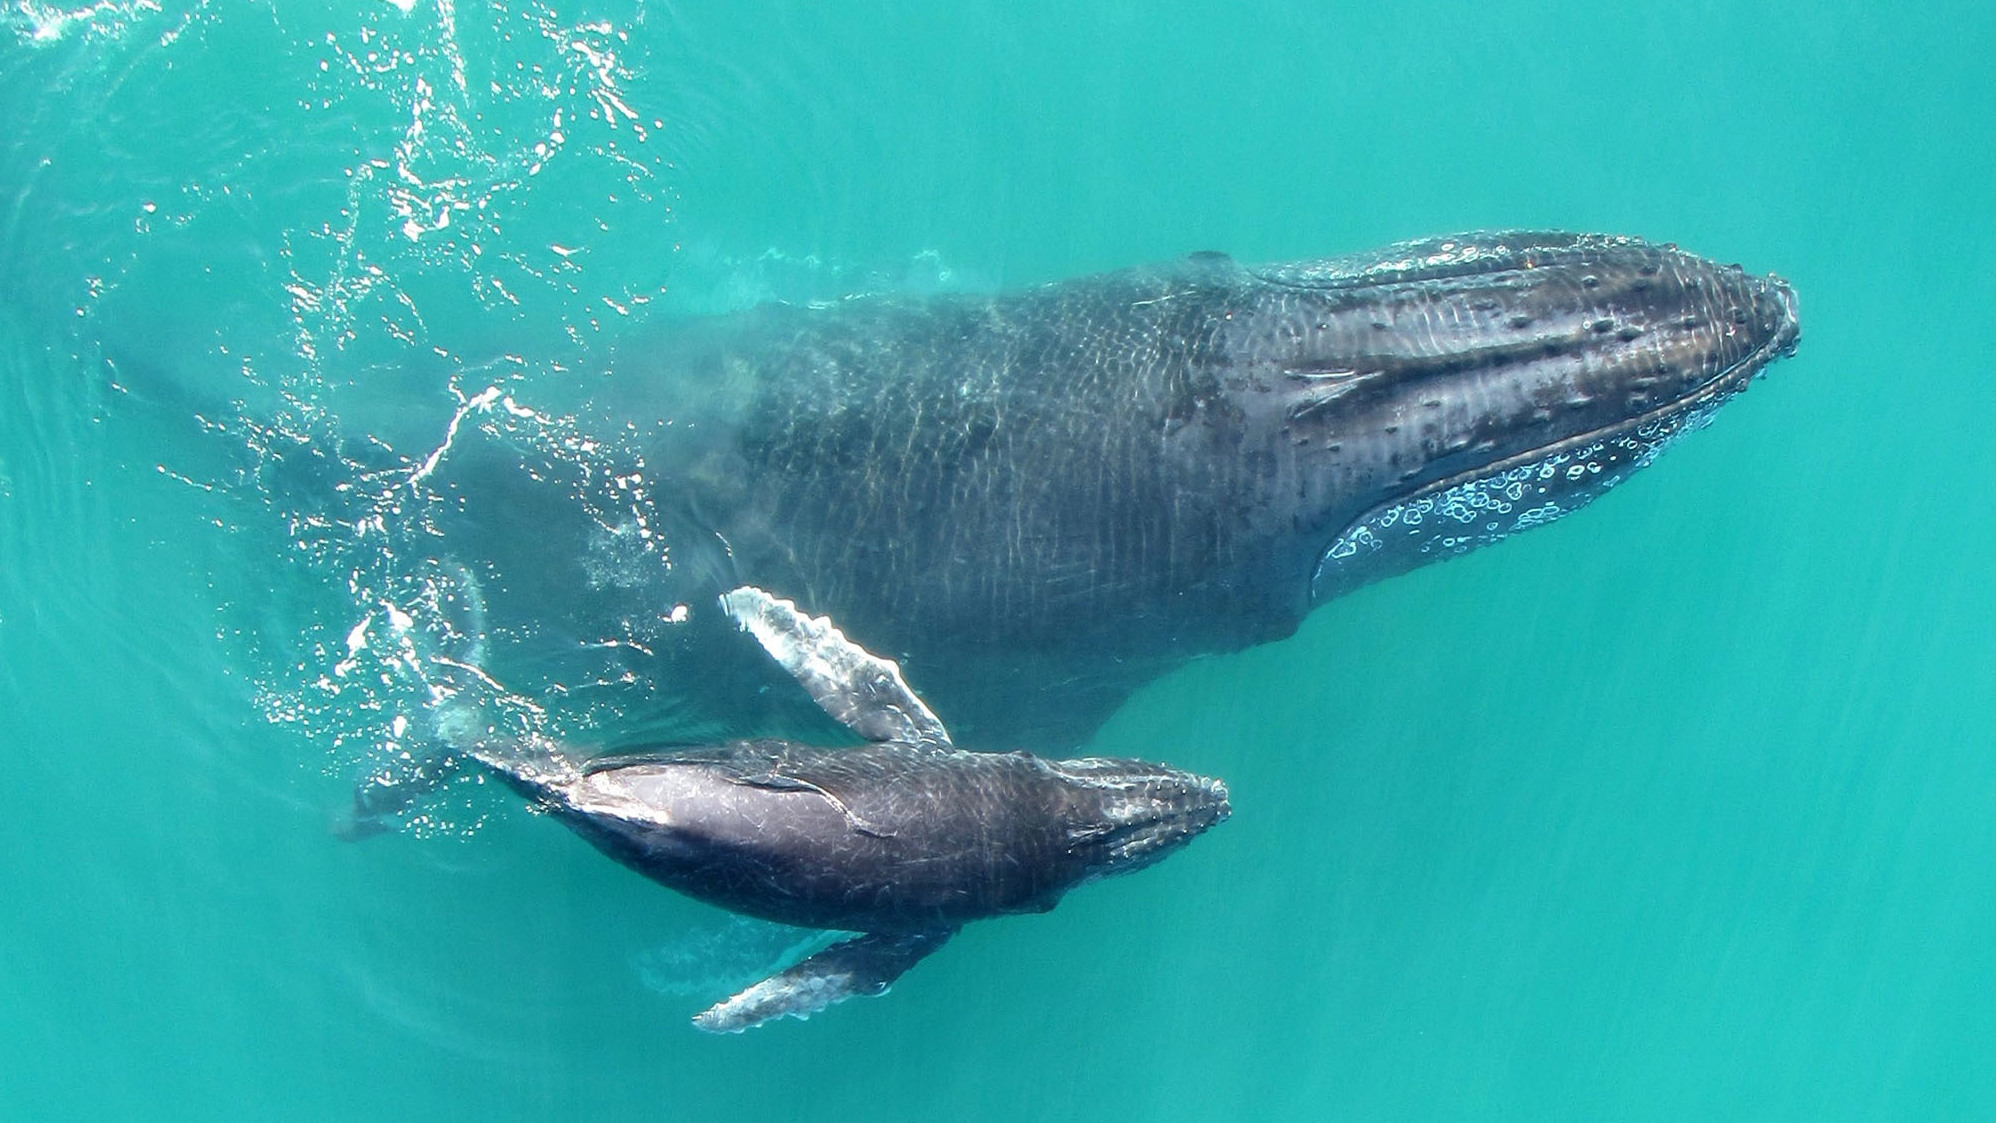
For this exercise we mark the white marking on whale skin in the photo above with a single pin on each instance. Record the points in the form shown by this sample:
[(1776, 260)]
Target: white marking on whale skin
[(605, 794), (863, 691), (864, 965), (781, 996), (1479, 512)]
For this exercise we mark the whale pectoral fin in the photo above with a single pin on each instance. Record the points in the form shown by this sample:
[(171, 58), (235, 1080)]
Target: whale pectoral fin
[(726, 956), (855, 686), (863, 965)]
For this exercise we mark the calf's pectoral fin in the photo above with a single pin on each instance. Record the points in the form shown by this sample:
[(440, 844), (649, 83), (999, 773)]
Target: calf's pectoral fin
[(859, 688), (863, 965)]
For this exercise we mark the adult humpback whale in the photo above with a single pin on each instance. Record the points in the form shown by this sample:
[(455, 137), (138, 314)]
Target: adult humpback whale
[(900, 841), (1041, 499)]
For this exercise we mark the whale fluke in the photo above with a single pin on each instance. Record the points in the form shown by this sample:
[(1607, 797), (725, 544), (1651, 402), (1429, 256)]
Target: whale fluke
[(379, 799)]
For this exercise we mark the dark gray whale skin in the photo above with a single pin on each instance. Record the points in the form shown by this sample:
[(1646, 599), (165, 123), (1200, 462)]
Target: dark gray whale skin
[(888, 837), (1040, 500), (897, 842), (901, 842)]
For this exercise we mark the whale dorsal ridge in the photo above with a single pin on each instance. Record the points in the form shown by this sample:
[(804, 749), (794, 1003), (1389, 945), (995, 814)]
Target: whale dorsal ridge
[(855, 686)]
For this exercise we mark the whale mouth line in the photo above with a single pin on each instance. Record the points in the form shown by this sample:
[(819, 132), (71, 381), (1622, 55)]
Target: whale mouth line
[(1708, 396)]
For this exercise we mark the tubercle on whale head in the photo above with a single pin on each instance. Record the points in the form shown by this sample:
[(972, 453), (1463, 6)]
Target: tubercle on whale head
[(1481, 384), (1122, 815)]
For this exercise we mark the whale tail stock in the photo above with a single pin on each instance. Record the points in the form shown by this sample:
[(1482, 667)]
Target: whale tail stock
[(383, 798), (462, 723)]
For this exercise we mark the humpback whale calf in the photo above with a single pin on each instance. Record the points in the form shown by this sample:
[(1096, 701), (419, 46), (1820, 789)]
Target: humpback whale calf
[(1040, 500), (900, 841)]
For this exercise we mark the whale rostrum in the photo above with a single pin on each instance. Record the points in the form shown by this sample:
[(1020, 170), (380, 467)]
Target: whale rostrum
[(899, 841)]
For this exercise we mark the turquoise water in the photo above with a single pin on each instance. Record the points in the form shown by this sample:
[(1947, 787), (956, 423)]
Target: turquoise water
[(1681, 808)]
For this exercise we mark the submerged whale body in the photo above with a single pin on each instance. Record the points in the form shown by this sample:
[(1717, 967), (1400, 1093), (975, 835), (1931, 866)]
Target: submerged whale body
[(900, 841), (1040, 500)]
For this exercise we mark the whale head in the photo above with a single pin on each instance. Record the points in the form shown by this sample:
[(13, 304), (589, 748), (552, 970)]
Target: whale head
[(1418, 402), (1123, 815)]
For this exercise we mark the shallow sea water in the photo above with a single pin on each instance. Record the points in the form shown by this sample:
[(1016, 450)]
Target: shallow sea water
[(1682, 808)]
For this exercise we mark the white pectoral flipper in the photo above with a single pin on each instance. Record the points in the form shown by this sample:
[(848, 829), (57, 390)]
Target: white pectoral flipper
[(863, 965), (859, 688)]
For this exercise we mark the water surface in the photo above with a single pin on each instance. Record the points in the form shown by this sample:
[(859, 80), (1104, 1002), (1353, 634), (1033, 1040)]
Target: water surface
[(1681, 808)]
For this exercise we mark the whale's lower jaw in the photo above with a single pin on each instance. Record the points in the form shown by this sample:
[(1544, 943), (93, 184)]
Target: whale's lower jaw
[(1451, 517), (1456, 519)]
